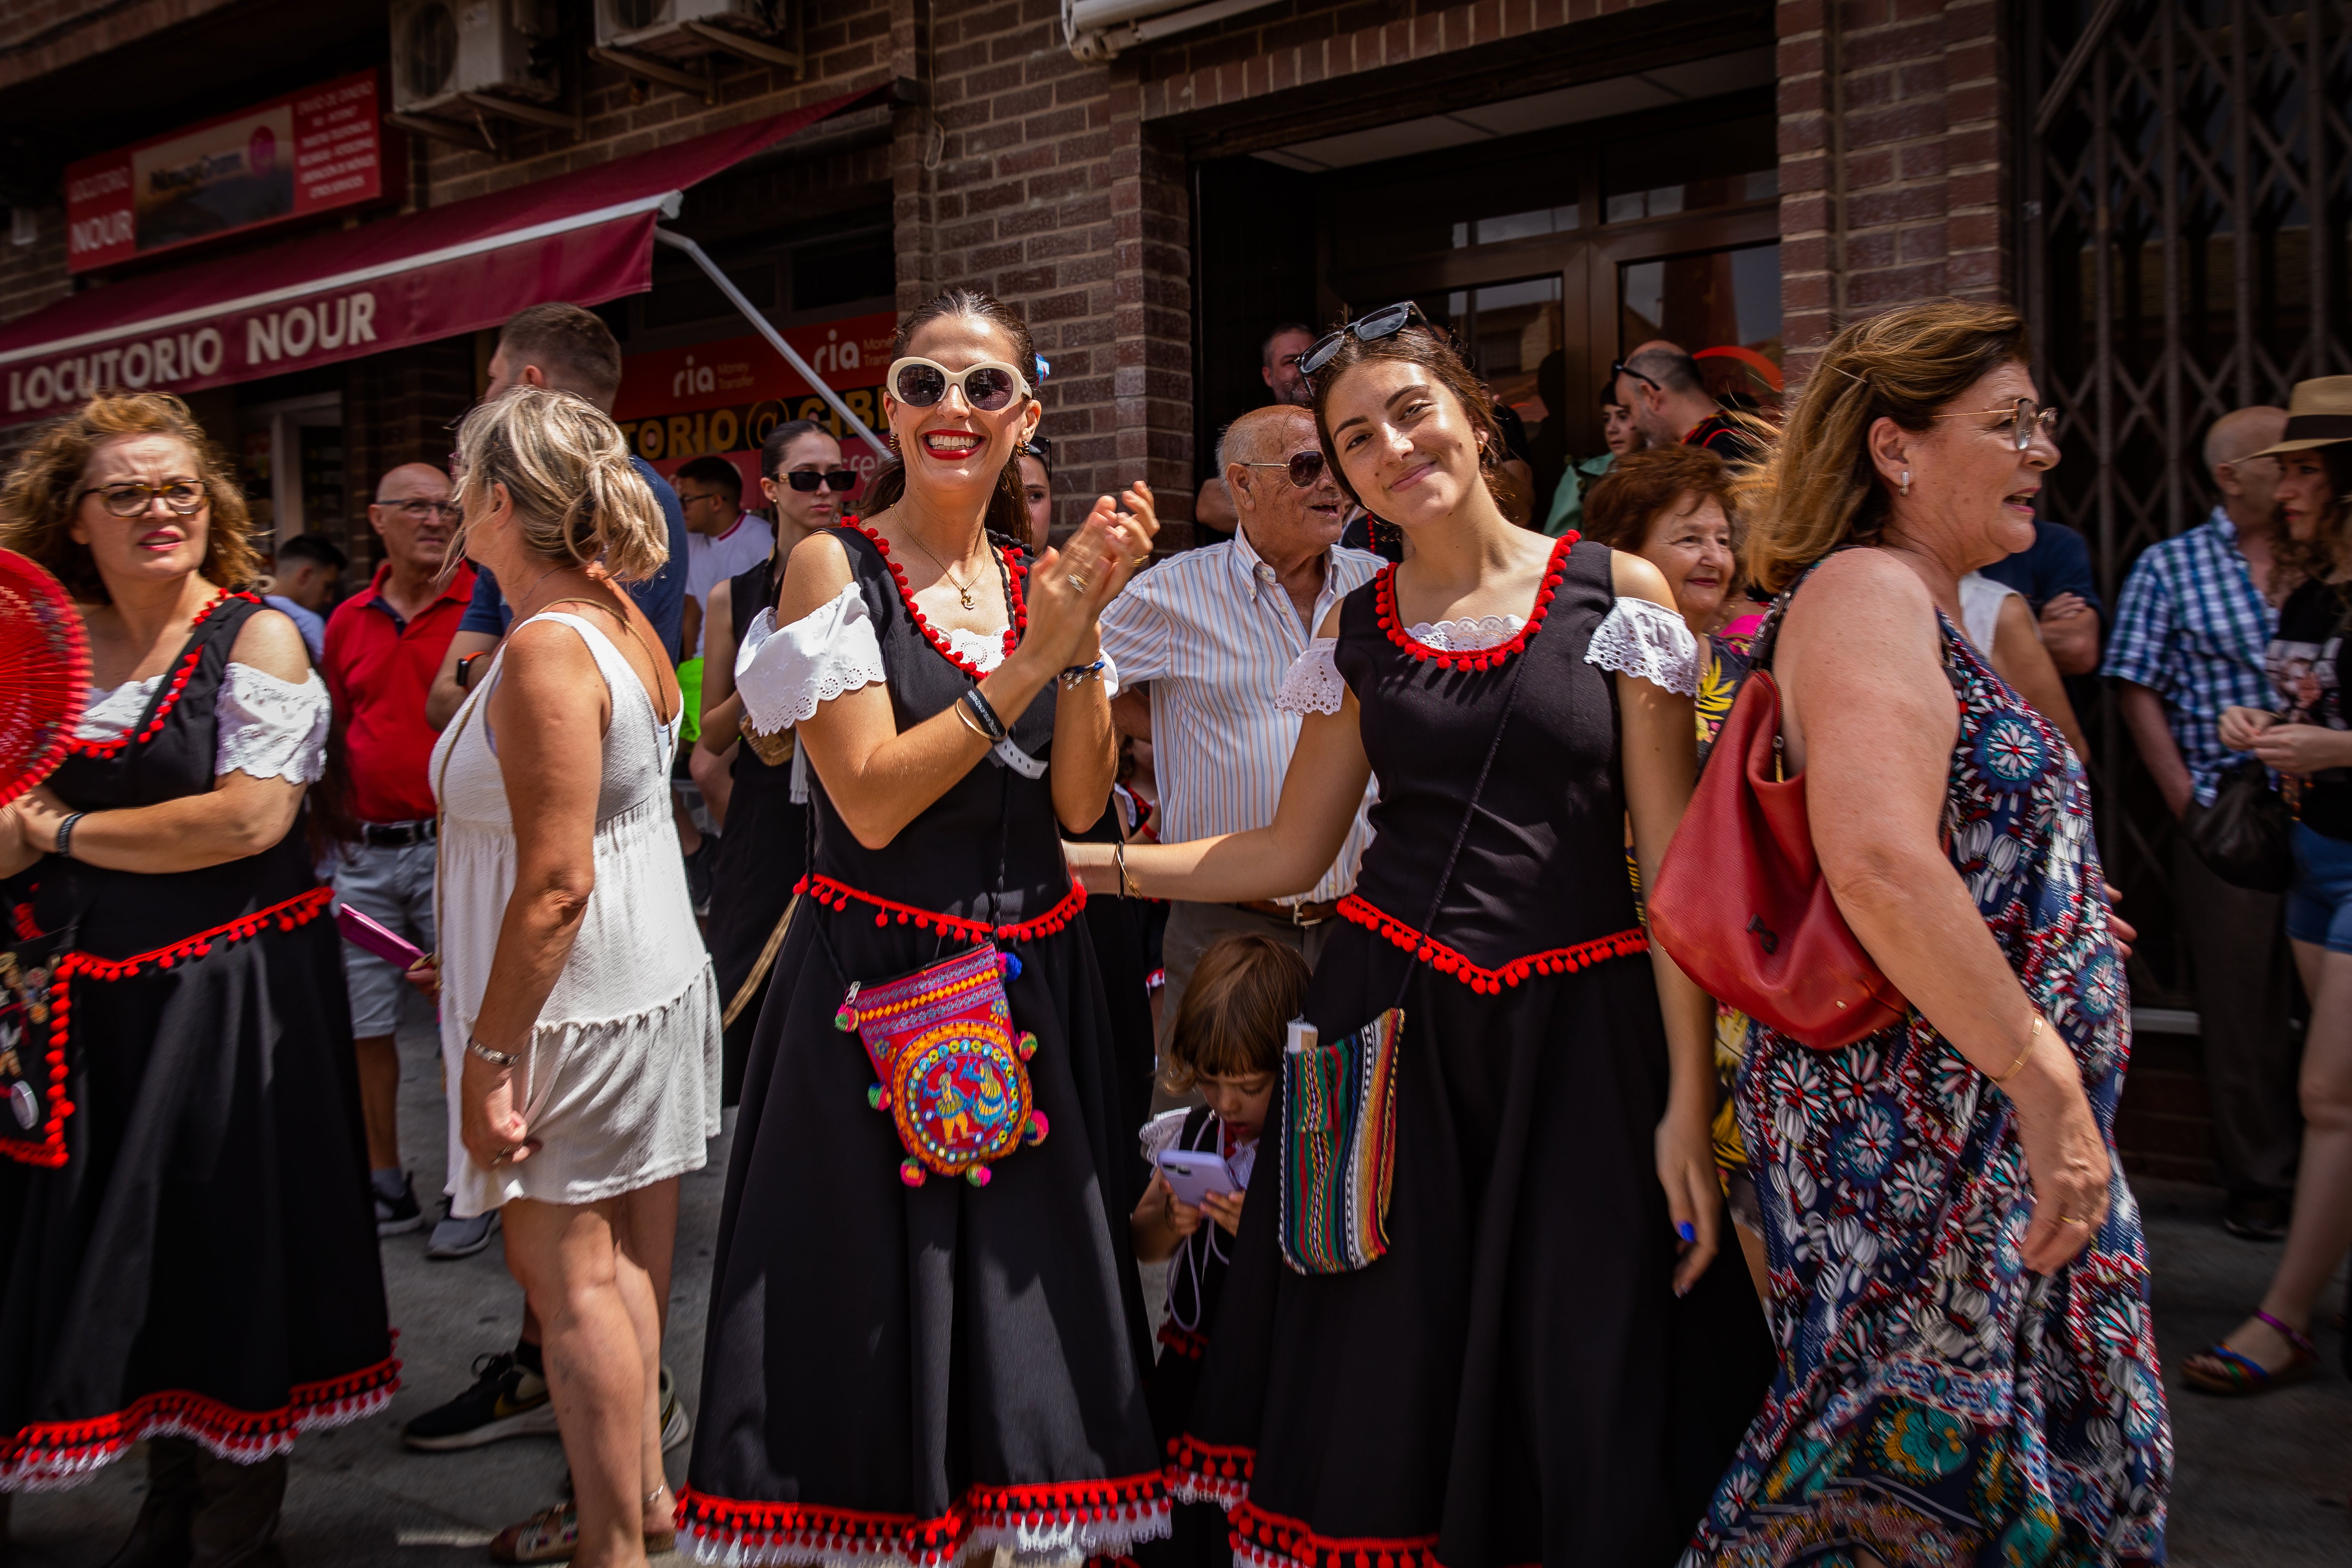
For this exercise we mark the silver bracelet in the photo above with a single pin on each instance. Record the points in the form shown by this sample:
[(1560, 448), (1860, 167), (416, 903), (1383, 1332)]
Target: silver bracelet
[(65, 835), (495, 1058)]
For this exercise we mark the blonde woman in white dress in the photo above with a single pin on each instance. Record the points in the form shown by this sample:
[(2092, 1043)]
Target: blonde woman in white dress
[(579, 1018)]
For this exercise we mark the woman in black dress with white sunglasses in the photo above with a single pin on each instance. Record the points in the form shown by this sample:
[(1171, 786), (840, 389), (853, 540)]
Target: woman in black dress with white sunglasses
[(925, 1344)]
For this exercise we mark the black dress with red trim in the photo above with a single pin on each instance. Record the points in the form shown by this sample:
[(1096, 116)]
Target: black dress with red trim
[(911, 1374), (1515, 1381), (202, 1261), (763, 853)]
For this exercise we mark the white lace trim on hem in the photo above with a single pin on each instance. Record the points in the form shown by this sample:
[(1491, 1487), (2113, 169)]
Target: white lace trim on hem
[(831, 651), (1031, 1546), (1313, 683), (1642, 637)]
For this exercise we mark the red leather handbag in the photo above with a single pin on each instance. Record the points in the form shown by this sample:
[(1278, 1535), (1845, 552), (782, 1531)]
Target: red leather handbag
[(1741, 904)]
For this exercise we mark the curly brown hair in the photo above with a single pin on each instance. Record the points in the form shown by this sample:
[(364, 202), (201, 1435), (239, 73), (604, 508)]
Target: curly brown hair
[(38, 499), (2328, 550), (1639, 486)]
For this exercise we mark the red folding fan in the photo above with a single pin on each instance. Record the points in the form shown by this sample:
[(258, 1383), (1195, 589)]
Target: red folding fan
[(44, 674)]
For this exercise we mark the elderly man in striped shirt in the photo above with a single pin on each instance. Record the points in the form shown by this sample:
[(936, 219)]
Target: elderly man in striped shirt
[(1212, 631)]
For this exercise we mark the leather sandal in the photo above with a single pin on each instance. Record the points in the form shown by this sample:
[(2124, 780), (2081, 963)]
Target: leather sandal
[(2218, 1369), (553, 1535)]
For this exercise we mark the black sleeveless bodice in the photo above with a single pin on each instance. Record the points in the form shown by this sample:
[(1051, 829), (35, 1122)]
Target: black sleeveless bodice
[(1543, 866), (125, 913), (991, 823), (748, 593)]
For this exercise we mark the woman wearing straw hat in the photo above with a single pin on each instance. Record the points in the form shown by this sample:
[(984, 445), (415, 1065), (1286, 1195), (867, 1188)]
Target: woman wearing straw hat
[(2309, 740)]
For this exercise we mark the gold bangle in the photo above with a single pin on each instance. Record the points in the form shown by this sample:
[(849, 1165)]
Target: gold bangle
[(1125, 882), (2032, 1036), (963, 711)]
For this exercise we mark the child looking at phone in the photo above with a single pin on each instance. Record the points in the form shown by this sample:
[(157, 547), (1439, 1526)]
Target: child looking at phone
[(1227, 1043)]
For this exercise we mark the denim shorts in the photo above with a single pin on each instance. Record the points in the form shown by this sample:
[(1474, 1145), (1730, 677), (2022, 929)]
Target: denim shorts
[(393, 883), (2319, 904)]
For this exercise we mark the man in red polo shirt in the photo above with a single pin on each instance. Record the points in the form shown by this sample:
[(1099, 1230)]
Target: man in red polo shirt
[(383, 647)]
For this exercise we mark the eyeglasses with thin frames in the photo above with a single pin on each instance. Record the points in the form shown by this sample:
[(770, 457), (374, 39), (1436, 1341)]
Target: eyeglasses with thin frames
[(424, 511), (2025, 417)]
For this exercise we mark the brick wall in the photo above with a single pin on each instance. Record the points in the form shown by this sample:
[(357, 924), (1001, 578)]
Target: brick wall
[(1894, 160), (397, 408)]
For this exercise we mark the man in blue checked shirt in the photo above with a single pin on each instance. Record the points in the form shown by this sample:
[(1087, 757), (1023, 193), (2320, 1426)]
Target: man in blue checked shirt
[(2190, 627)]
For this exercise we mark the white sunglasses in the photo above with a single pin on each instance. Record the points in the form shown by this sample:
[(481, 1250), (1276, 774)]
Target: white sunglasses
[(988, 386)]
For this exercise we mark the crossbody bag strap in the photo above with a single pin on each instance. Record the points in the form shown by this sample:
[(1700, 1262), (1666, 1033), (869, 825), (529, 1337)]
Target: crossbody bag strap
[(1470, 812)]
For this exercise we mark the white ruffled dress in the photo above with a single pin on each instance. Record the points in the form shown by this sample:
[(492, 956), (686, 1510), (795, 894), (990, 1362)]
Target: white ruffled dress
[(620, 1078)]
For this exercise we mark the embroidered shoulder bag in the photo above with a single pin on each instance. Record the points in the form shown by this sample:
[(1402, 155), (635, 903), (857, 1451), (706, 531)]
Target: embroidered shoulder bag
[(1338, 1104)]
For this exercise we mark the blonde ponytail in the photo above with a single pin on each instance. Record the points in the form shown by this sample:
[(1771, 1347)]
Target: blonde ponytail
[(576, 496)]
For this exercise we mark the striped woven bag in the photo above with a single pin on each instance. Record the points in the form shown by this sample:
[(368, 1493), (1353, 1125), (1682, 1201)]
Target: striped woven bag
[(1339, 1105)]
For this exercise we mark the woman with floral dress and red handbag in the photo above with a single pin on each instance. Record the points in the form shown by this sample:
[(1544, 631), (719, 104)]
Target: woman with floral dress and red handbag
[(1475, 1315), (1959, 1284), (926, 1335)]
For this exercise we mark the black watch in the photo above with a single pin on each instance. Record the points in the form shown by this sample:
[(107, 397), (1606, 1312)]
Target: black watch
[(465, 669)]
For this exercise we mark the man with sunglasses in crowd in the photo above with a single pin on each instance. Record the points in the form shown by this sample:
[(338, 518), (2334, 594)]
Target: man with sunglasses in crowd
[(1671, 406), (1212, 631), (1278, 358), (382, 646)]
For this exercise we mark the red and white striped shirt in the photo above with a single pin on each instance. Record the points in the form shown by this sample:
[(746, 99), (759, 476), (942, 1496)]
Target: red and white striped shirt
[(1213, 631)]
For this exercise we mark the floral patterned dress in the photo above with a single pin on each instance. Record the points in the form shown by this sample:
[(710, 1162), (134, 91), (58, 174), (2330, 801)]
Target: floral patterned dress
[(1937, 1402)]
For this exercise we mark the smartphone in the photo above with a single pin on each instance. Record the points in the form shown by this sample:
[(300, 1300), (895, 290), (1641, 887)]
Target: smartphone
[(1194, 1173), (375, 937)]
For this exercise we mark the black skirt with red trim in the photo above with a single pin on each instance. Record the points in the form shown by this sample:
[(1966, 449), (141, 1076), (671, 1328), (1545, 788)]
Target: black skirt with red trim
[(193, 1251), (1515, 1381)]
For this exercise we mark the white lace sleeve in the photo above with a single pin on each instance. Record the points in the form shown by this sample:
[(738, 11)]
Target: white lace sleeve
[(783, 675), (1312, 683), (271, 729), (1644, 637), (1160, 1133)]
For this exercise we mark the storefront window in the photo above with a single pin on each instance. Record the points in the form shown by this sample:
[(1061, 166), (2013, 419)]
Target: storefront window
[(1722, 305)]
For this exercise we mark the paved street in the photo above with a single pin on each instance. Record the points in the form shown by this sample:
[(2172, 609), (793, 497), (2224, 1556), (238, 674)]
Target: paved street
[(2262, 1483)]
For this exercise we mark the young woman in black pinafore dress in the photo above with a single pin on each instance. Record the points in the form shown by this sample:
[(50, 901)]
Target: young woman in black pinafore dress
[(1529, 1374), (916, 1372), (198, 1268)]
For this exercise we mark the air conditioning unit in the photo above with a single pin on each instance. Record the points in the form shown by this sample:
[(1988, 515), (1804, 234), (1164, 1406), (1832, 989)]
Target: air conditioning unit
[(444, 49), (680, 29)]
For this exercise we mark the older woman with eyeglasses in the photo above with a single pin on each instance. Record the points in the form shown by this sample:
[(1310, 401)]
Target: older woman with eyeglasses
[(190, 1256), (1959, 1284)]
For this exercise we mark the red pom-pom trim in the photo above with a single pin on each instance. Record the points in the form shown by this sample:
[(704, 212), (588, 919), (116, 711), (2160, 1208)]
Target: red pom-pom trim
[(1384, 603), (171, 690), (1018, 607), (837, 896), (1209, 1472), (1490, 982), (54, 1452), (1111, 1516), (1264, 1539)]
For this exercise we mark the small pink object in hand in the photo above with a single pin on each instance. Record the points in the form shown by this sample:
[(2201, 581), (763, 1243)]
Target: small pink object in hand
[(374, 936)]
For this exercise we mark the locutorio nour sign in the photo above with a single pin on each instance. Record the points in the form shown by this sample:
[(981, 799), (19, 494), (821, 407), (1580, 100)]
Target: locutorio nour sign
[(200, 356)]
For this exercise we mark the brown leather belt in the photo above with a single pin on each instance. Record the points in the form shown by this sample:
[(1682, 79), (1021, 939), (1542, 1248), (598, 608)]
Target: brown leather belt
[(1296, 914)]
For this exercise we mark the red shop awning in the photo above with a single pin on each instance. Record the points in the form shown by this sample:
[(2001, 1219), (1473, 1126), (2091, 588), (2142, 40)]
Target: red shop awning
[(586, 236)]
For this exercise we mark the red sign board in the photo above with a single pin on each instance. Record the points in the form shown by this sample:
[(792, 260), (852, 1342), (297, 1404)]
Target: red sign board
[(724, 397), (289, 157)]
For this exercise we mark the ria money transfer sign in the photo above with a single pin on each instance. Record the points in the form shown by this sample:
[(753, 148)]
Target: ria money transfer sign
[(308, 152), (722, 398)]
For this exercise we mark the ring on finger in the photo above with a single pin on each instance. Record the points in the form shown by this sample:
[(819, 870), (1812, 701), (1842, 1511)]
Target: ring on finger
[(1077, 583)]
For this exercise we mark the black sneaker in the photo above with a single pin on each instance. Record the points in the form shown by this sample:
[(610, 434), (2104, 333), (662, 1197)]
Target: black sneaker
[(508, 1400), (2257, 1216), (398, 1216)]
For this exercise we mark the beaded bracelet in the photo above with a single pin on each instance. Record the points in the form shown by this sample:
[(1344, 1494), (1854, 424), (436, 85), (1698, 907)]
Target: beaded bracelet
[(1078, 672)]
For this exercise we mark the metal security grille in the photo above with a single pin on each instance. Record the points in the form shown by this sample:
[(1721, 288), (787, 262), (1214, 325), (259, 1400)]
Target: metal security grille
[(2187, 182)]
